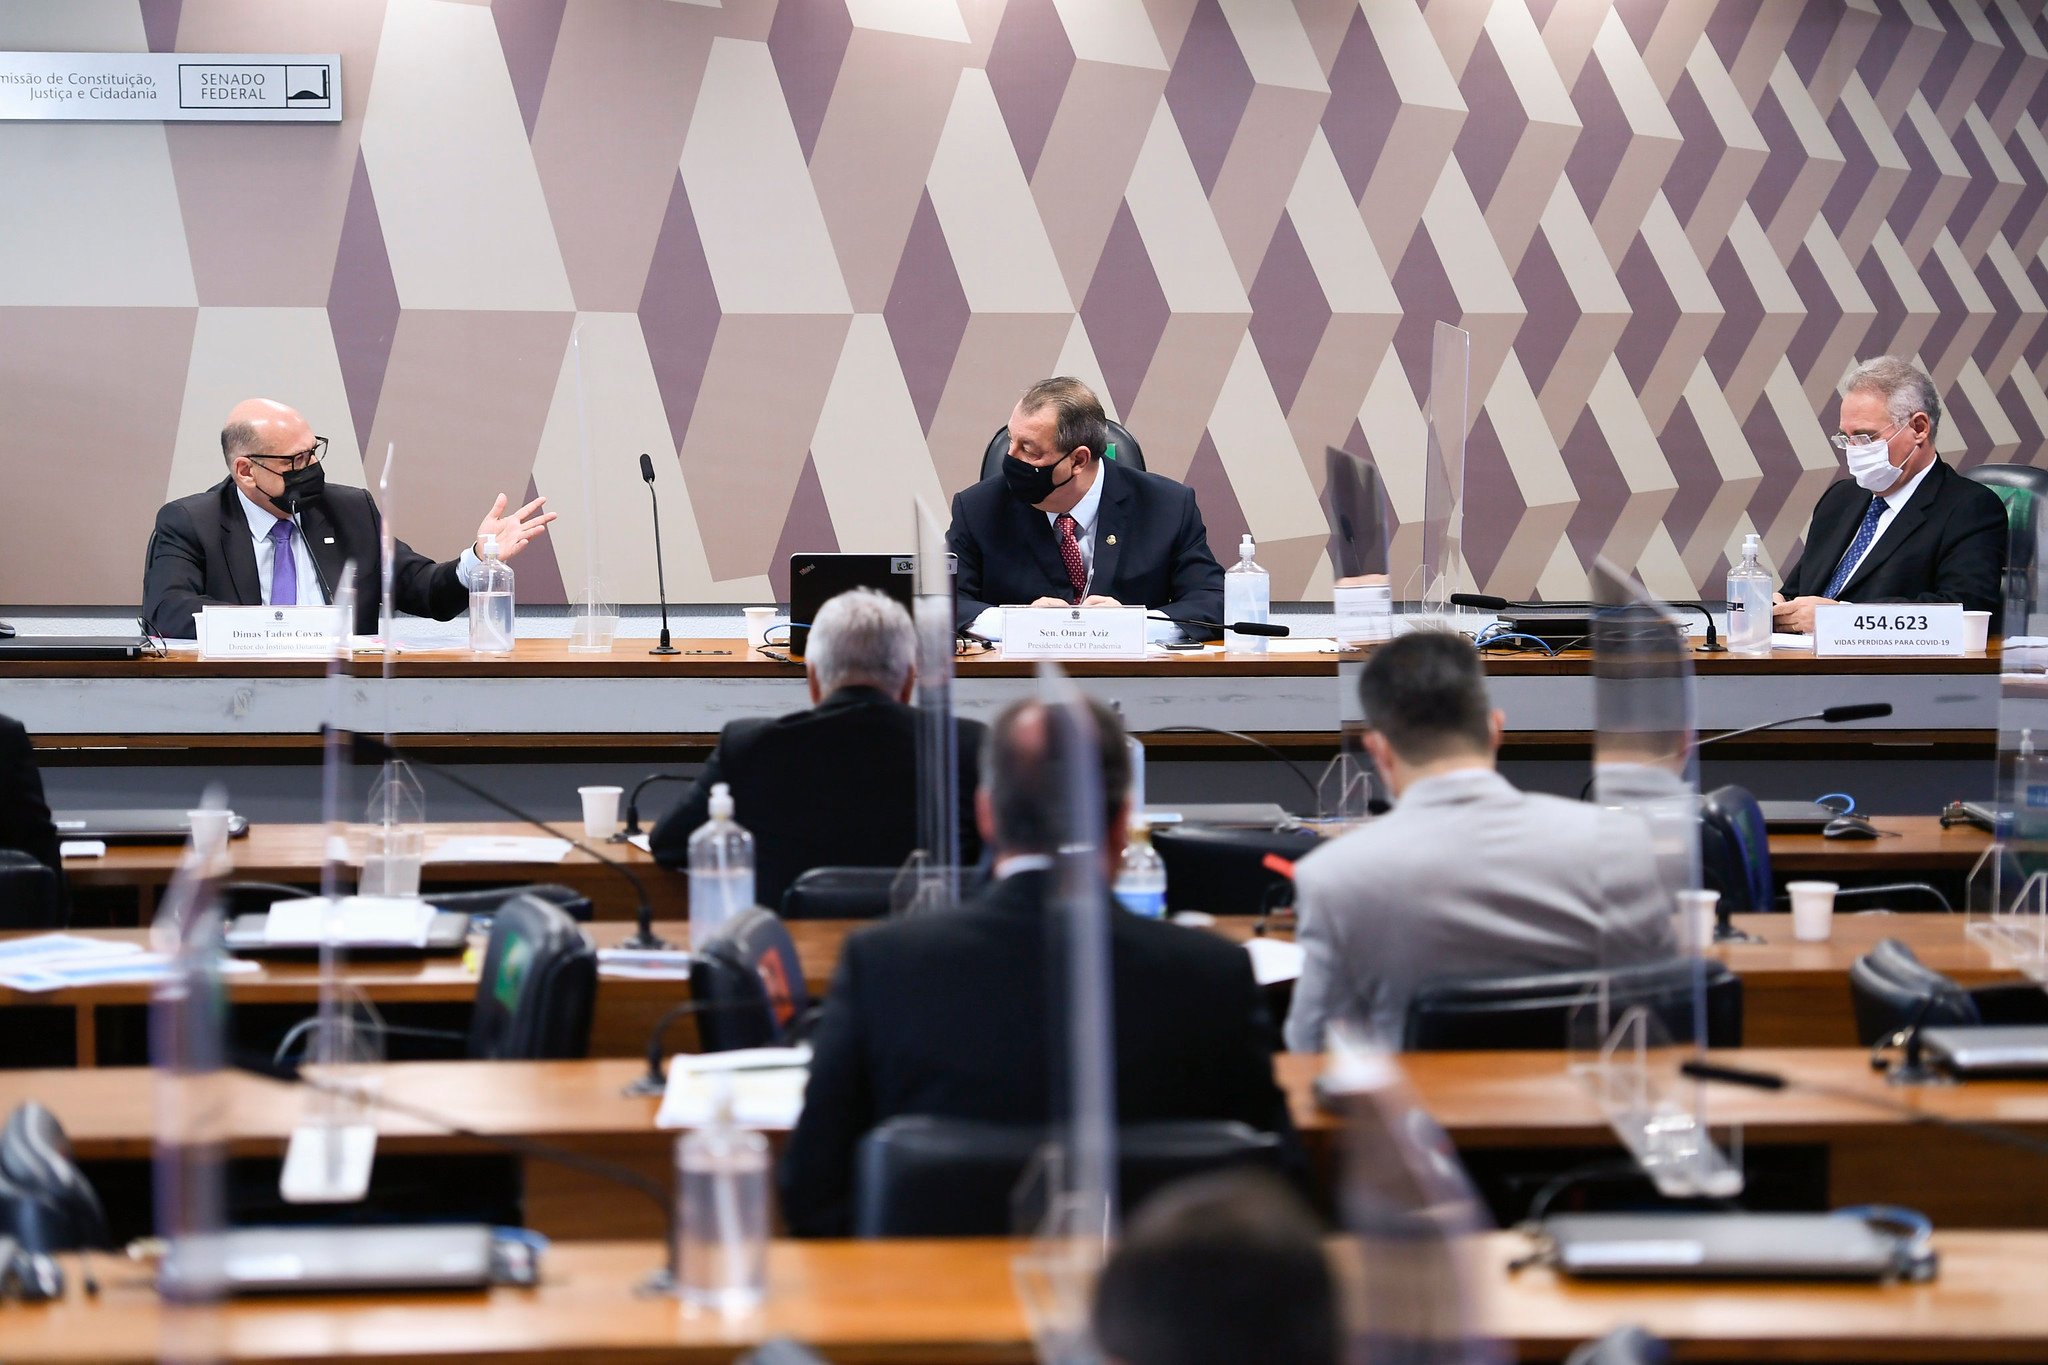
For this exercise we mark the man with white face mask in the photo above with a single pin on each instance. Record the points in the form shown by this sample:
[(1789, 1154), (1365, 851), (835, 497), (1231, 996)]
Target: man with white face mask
[(1903, 527)]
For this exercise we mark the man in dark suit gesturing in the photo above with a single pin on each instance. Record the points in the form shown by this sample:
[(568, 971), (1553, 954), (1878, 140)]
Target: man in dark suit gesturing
[(952, 1014), (1904, 527), (835, 785), (239, 543), (1061, 526)]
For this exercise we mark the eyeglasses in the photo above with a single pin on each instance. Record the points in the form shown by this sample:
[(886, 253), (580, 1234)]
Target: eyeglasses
[(312, 455), (1843, 440)]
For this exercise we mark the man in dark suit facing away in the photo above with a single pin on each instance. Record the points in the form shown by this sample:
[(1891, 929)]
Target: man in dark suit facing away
[(239, 543), (1061, 526), (835, 785), (953, 1014), (25, 824), (1903, 527)]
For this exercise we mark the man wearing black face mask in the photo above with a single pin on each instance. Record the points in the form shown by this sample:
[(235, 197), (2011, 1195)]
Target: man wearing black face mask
[(1061, 526), (274, 532)]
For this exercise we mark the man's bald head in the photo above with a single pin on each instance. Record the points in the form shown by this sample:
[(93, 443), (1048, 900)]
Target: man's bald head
[(263, 426)]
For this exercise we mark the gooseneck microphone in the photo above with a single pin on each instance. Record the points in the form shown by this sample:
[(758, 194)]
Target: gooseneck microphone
[(660, 577), (319, 574), (1241, 627), (632, 826), (1832, 715), (371, 749), (1749, 1077)]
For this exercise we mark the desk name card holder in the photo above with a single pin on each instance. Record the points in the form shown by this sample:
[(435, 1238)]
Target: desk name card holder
[(1073, 632), (1889, 630), (266, 632)]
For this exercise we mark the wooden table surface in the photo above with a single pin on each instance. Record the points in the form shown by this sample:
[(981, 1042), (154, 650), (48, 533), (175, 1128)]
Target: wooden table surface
[(1483, 1100), (1910, 844), (955, 1301)]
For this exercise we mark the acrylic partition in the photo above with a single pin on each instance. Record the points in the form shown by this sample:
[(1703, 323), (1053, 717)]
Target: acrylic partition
[(1355, 501), (2007, 914), (593, 612), (930, 879), (1445, 411)]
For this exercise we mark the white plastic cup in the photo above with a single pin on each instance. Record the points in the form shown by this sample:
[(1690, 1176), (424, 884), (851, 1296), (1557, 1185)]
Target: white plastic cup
[(1813, 910), (600, 811), (210, 831), (1696, 918), (759, 619), (392, 855), (1976, 631)]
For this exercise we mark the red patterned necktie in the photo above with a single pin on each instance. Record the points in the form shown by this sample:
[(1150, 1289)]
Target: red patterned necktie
[(1070, 551)]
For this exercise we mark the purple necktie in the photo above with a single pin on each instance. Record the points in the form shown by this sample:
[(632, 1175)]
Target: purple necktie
[(284, 569)]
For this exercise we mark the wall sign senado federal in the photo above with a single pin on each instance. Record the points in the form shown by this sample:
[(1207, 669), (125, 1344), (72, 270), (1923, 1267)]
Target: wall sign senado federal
[(171, 87)]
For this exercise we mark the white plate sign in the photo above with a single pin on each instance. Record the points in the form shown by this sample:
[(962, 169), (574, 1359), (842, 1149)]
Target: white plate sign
[(1888, 629), (1073, 632), (267, 632), (171, 87)]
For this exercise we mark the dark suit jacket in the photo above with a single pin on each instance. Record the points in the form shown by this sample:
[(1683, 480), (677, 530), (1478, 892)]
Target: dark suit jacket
[(1945, 545), (951, 1014), (1007, 554), (24, 814), (201, 553), (834, 786)]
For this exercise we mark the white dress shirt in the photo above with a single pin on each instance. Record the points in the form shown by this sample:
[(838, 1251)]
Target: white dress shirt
[(990, 622), (310, 595), (1893, 501)]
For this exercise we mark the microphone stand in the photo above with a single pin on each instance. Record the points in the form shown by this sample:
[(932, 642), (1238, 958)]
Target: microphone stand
[(319, 574), (666, 646), (633, 804)]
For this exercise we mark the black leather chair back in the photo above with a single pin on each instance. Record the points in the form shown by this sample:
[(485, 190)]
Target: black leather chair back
[(750, 983), (537, 988), (1889, 988), (1735, 850), (1535, 1012), (840, 893), (486, 900), (46, 1203), (1123, 448), (921, 1176), (1223, 871), (29, 897), (2024, 491)]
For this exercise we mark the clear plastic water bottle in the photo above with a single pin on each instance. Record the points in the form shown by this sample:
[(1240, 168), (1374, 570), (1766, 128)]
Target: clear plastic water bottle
[(1749, 602), (722, 1212), (490, 602), (721, 869), (2030, 801), (1141, 876), (1247, 596)]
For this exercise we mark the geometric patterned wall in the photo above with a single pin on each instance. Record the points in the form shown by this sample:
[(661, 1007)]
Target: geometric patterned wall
[(809, 251)]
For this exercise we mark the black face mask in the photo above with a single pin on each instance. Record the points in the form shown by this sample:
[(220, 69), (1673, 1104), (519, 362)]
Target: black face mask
[(1031, 483), (303, 485)]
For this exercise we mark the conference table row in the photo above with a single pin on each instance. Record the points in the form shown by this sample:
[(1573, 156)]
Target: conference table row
[(1795, 994), (927, 1302)]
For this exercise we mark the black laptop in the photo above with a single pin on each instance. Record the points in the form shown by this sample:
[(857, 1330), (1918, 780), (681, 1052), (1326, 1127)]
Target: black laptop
[(816, 578), (72, 647), (134, 826)]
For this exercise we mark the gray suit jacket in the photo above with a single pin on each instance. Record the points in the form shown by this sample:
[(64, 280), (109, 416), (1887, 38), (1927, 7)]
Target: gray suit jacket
[(1468, 877)]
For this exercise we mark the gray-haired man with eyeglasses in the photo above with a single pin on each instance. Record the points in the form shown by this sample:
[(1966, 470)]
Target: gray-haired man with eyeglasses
[(274, 532), (1903, 527)]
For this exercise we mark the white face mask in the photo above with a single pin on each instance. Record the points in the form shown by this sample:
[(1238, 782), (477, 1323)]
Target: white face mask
[(1870, 464)]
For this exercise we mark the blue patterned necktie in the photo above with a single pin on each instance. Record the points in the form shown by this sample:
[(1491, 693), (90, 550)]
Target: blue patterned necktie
[(1865, 533), (284, 569)]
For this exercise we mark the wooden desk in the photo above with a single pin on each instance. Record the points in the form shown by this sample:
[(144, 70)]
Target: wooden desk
[(1921, 845), (955, 1301), (1496, 1100)]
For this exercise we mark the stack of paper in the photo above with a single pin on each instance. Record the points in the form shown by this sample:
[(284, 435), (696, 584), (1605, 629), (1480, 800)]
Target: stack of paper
[(55, 962), (766, 1084), (643, 964), (357, 921), (490, 848)]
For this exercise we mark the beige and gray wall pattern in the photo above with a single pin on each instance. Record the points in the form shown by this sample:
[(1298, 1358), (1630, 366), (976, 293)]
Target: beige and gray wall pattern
[(806, 253)]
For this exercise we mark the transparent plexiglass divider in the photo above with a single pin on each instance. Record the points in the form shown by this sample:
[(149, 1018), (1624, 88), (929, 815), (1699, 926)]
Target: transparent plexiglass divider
[(930, 879), (1648, 1010), (2006, 905), (1360, 548), (1072, 1188), (1446, 411), (594, 612)]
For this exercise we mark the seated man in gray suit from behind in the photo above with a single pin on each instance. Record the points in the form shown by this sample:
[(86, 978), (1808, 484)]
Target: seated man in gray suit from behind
[(1466, 876)]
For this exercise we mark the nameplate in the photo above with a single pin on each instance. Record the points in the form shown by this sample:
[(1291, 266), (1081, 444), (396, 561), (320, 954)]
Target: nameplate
[(170, 87), (1893, 630), (1365, 613), (267, 632), (1073, 632)]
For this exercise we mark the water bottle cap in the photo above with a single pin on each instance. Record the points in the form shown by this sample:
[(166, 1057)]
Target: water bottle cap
[(1751, 543), (721, 801), (1245, 548), (487, 546)]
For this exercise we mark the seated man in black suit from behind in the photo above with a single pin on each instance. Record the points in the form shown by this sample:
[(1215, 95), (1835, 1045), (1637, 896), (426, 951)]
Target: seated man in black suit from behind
[(1062, 526), (835, 785), (952, 1014), (25, 824), (237, 545), (1903, 527)]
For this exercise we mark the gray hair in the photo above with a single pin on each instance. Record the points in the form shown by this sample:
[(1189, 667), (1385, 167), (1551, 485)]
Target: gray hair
[(1905, 388), (862, 637)]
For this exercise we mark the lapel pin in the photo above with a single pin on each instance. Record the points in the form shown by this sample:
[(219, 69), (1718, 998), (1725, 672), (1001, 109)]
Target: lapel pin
[(327, 540), (1110, 541)]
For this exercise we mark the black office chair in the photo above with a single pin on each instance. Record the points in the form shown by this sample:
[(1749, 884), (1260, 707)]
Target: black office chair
[(30, 897), (1735, 850), (748, 985), (2023, 489), (46, 1203), (840, 893), (1890, 988), (487, 900), (1629, 1345), (1532, 1013), (1222, 870), (1123, 448), (922, 1176)]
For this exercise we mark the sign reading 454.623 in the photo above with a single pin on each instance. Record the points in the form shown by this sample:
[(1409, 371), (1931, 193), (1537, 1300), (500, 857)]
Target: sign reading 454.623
[(171, 87), (1923, 628)]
